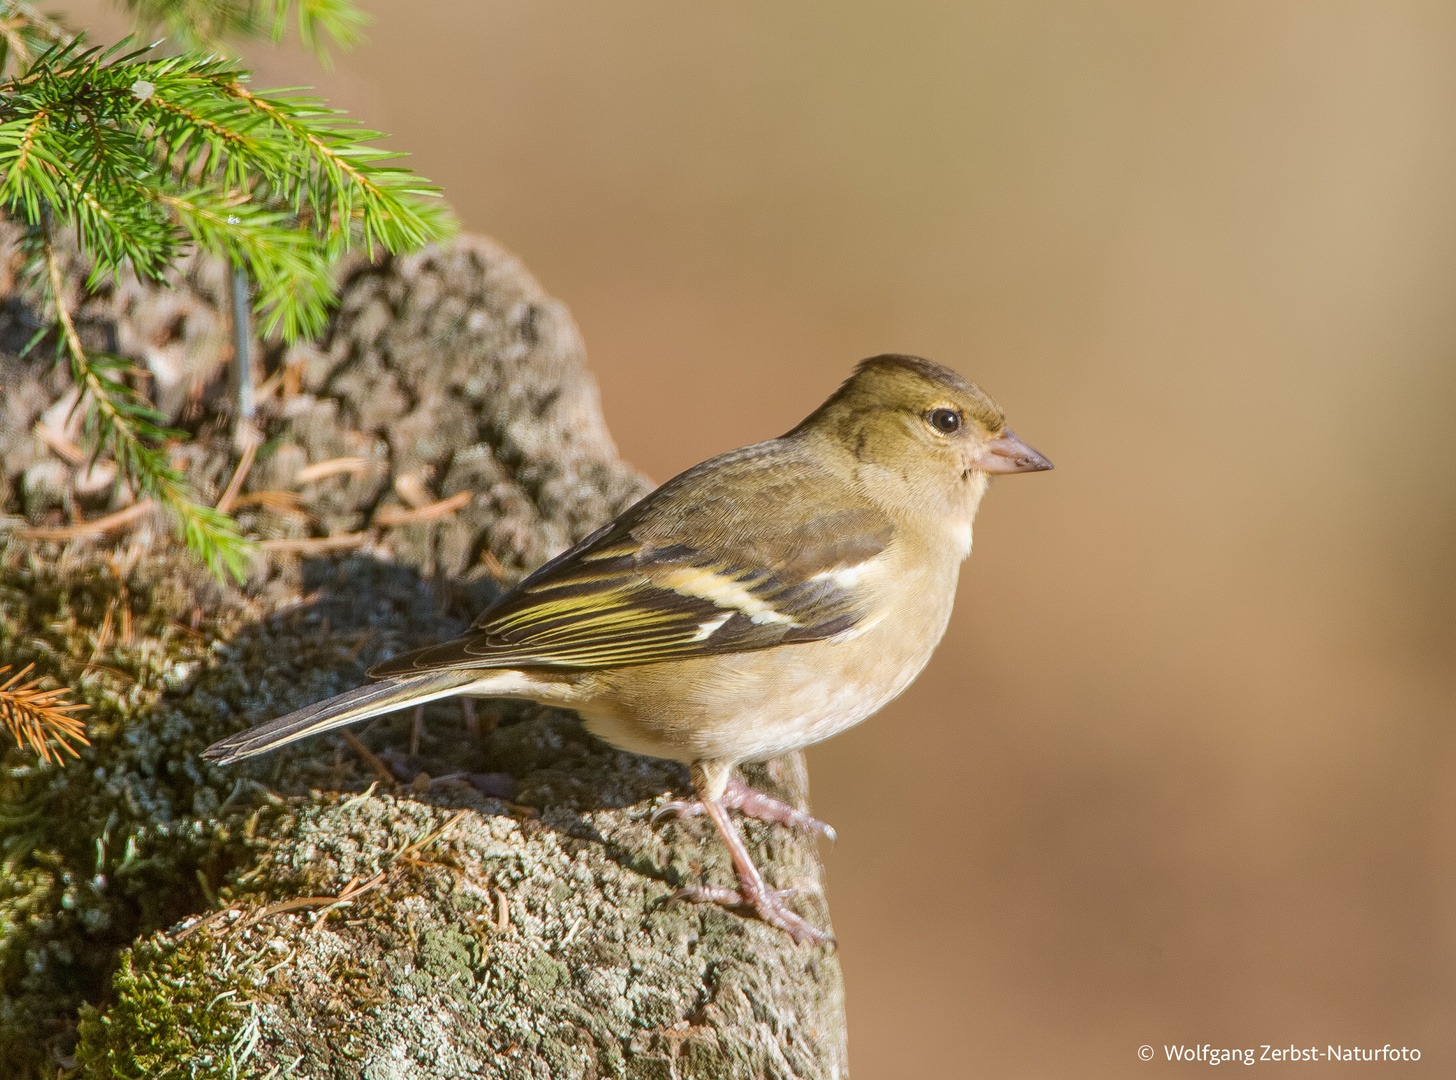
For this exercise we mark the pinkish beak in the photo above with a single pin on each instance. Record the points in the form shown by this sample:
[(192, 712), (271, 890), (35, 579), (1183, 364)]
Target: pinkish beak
[(1008, 454)]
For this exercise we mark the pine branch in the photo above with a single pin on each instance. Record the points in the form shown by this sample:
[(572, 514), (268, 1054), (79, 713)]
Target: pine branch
[(142, 155), (292, 271), (340, 183), (36, 717), (146, 157), (120, 421)]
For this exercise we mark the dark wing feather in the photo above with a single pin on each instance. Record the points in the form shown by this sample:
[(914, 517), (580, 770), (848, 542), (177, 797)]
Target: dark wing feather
[(734, 555)]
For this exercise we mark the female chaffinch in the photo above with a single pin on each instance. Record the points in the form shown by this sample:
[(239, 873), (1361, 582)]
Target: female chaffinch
[(764, 600)]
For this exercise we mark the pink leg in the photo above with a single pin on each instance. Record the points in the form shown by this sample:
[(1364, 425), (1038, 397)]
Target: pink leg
[(751, 803), (752, 890)]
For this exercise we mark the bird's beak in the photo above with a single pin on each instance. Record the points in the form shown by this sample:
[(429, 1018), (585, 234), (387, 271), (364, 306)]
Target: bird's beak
[(1008, 454)]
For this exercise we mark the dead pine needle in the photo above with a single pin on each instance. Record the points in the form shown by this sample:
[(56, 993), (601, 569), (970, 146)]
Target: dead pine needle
[(95, 527), (39, 717), (235, 485)]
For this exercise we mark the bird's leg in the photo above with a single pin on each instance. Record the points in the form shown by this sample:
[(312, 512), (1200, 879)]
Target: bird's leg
[(751, 803), (752, 890)]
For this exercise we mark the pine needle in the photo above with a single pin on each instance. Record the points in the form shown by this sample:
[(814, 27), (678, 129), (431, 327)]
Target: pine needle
[(37, 716)]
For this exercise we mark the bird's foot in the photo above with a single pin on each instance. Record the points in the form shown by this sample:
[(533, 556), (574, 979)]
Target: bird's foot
[(752, 892), (768, 903), (751, 803)]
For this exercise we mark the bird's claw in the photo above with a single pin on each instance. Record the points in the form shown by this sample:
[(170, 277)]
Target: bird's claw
[(769, 906), (709, 894), (680, 807)]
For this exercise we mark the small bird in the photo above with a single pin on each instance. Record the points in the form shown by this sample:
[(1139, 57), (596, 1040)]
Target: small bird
[(763, 600)]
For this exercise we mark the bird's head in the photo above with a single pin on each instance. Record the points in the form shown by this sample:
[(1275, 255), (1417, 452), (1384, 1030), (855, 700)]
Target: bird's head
[(920, 436)]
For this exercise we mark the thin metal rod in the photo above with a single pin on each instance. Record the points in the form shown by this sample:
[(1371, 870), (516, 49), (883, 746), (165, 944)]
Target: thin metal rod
[(242, 343)]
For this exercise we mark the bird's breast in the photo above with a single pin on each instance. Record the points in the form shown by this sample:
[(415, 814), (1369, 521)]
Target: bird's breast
[(755, 705)]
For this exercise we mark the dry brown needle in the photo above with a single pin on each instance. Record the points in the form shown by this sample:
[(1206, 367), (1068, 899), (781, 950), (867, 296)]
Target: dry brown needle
[(37, 716)]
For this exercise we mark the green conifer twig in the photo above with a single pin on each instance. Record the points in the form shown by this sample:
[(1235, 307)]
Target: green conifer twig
[(127, 425), (146, 156)]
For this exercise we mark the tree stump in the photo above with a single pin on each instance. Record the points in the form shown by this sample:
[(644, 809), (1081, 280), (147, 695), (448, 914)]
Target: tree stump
[(483, 894)]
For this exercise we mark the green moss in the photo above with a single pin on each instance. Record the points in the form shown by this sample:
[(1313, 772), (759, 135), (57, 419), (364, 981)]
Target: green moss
[(170, 1019), (139, 832), (92, 853)]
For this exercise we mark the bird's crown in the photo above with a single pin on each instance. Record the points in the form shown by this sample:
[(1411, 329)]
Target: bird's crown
[(897, 383)]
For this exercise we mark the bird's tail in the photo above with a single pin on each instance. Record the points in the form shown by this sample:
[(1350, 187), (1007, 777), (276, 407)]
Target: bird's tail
[(384, 696)]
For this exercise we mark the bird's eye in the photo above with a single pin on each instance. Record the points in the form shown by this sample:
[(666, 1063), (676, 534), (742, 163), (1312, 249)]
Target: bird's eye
[(945, 420)]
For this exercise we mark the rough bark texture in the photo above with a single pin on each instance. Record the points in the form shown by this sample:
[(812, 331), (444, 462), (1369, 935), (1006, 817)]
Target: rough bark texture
[(508, 904)]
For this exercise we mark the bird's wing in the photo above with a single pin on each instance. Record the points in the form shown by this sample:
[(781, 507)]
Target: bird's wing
[(749, 550)]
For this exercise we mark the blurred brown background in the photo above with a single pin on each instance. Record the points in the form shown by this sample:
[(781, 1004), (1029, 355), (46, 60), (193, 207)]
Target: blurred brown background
[(1184, 769)]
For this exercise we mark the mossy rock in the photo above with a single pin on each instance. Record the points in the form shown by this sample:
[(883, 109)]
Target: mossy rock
[(508, 903), (482, 937)]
